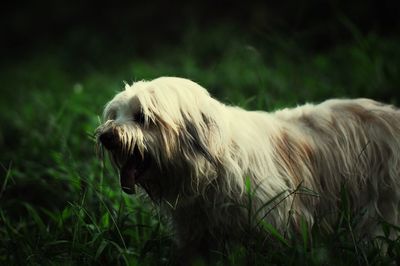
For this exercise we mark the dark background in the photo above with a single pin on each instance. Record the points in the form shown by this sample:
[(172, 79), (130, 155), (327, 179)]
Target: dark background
[(143, 27)]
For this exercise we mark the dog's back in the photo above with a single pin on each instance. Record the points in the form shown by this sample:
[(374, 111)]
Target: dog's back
[(350, 145)]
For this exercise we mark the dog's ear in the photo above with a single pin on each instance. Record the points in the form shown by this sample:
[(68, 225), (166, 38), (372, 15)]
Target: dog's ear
[(202, 137), (195, 140)]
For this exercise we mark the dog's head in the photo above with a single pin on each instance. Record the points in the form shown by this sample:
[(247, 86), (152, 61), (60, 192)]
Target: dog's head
[(164, 135)]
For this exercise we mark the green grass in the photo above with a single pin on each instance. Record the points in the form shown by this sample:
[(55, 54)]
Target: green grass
[(61, 205)]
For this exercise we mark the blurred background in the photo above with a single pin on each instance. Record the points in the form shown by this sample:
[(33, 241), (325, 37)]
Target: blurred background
[(61, 61)]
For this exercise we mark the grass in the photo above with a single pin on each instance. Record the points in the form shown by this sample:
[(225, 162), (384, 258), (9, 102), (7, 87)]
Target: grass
[(61, 205)]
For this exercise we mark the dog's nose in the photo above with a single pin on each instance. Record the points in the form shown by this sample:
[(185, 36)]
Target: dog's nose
[(108, 139)]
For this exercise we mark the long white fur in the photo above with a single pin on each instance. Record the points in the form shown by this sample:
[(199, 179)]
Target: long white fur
[(204, 150)]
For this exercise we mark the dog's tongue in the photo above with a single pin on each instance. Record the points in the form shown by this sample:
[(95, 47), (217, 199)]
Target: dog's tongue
[(128, 176)]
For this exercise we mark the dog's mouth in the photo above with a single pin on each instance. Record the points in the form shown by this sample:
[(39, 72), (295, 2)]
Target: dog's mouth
[(132, 171)]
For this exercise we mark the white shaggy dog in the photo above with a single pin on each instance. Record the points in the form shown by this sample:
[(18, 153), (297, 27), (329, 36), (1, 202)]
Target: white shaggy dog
[(204, 158)]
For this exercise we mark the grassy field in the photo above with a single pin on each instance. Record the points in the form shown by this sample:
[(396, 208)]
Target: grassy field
[(61, 205)]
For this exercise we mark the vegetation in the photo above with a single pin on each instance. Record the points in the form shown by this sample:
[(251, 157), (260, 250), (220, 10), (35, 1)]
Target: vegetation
[(61, 205)]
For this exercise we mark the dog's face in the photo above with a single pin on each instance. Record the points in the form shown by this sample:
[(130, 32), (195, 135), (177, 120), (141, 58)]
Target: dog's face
[(162, 135)]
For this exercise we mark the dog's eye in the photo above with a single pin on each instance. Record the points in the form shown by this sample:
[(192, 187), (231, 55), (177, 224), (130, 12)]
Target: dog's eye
[(139, 118), (110, 115)]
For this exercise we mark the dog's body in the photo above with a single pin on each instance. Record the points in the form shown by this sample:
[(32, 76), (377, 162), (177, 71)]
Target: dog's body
[(204, 159)]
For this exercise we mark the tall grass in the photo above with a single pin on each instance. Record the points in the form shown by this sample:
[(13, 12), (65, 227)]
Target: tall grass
[(61, 205)]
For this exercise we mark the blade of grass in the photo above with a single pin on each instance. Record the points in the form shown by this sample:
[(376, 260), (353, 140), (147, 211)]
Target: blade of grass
[(8, 175), (272, 230)]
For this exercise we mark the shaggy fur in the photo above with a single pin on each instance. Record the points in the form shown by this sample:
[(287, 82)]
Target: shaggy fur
[(203, 158)]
